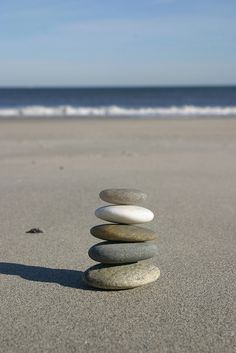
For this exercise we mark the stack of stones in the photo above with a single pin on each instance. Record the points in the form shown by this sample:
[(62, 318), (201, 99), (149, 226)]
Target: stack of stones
[(123, 256)]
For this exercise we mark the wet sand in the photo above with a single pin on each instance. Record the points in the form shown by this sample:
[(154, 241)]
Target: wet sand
[(51, 173)]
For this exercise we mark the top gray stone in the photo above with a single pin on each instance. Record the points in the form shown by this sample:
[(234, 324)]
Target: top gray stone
[(123, 196)]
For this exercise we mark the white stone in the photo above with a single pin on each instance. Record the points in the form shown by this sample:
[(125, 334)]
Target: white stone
[(125, 214)]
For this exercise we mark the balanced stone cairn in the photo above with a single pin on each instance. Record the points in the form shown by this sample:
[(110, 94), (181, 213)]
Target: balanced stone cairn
[(122, 255)]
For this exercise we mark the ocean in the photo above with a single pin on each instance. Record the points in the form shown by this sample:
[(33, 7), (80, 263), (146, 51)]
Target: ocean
[(138, 102)]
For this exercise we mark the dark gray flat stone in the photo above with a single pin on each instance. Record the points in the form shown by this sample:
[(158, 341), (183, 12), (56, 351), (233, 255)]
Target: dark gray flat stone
[(122, 232), (123, 196), (121, 277), (122, 253)]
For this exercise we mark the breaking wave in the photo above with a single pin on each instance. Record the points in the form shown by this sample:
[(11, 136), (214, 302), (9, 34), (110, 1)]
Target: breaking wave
[(117, 111)]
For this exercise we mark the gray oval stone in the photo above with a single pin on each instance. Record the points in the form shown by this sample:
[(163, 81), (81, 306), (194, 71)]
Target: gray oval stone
[(122, 232), (122, 253), (121, 277), (123, 196)]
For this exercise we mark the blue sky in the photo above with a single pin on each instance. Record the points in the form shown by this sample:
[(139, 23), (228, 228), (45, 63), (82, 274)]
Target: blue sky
[(125, 42)]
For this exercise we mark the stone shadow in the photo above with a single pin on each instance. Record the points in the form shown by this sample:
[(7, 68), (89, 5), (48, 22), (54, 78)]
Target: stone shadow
[(64, 277)]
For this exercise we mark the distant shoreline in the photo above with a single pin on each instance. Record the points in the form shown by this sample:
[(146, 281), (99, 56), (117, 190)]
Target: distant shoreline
[(92, 87), (120, 102), (117, 118)]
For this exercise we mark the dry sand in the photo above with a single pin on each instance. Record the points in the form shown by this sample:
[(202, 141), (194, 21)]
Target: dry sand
[(51, 173)]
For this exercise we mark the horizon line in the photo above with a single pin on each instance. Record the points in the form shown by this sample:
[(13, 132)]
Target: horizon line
[(117, 86)]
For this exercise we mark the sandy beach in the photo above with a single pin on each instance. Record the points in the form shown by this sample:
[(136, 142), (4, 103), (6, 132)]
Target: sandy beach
[(51, 173)]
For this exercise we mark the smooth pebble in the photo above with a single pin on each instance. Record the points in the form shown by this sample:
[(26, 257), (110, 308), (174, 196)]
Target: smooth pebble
[(122, 253), (121, 277), (122, 232), (124, 214), (123, 196)]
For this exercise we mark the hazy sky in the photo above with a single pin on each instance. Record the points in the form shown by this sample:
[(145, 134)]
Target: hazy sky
[(117, 42)]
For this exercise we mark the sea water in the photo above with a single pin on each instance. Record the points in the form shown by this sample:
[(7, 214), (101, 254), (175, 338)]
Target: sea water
[(138, 102)]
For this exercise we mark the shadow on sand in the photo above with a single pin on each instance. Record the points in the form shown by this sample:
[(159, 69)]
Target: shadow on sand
[(66, 278)]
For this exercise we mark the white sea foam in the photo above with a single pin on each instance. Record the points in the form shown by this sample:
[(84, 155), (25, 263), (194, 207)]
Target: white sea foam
[(116, 111)]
